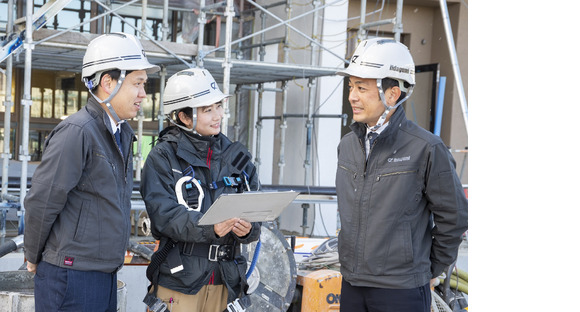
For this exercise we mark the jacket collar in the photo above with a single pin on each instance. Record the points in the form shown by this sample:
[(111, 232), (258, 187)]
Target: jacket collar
[(360, 129), (191, 147), (96, 110)]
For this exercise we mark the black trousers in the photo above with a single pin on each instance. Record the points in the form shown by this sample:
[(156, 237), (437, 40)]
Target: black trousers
[(59, 289), (371, 299)]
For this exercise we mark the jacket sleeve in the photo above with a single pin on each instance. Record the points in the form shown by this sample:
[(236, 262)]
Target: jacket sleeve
[(59, 172), (448, 204), (168, 217)]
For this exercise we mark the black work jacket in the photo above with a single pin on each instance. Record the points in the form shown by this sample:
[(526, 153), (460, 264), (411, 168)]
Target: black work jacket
[(79, 204), (388, 205), (210, 158)]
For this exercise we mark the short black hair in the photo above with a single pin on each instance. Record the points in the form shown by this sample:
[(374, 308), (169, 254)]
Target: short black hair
[(187, 111), (114, 73), (389, 83)]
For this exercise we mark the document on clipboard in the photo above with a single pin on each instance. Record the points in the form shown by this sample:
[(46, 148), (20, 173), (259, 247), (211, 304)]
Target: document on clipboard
[(250, 206)]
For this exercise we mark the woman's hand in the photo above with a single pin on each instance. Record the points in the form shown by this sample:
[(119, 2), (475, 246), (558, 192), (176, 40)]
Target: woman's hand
[(242, 228), (223, 228)]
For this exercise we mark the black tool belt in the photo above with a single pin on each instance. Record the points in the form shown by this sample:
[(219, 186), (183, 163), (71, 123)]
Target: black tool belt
[(209, 251)]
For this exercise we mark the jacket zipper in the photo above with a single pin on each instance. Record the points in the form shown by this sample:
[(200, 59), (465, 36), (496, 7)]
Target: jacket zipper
[(351, 171), (394, 173), (357, 253)]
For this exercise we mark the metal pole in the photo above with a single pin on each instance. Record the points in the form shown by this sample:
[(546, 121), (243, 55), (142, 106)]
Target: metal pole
[(283, 122), (160, 114), (454, 62), (362, 32), (7, 113), (283, 127), (227, 64), (288, 25), (238, 113), (144, 16), (201, 20), (138, 158), (311, 100), (26, 103), (398, 29), (258, 161), (165, 28)]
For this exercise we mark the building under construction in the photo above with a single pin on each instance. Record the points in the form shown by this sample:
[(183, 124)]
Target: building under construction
[(278, 60)]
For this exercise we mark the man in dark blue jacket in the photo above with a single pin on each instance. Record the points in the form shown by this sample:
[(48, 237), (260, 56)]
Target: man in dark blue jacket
[(78, 207), (402, 206)]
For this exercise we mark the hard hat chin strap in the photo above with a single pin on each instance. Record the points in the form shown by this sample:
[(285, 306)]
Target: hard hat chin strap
[(107, 101), (194, 119), (388, 109)]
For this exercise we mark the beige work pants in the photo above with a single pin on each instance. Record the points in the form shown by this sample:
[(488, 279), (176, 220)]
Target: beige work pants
[(210, 298)]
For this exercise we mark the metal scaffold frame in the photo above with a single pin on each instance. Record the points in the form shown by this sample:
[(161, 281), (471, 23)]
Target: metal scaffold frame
[(63, 50)]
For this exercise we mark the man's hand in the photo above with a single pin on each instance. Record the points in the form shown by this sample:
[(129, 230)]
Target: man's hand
[(433, 282), (31, 267)]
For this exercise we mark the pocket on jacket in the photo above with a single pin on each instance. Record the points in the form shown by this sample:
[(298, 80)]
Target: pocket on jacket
[(82, 221), (391, 256)]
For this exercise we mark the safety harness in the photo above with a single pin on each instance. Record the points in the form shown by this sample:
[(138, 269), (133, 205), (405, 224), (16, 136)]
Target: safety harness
[(239, 181)]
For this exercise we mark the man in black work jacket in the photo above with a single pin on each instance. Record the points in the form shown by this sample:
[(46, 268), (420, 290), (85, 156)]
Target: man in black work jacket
[(78, 207), (402, 206)]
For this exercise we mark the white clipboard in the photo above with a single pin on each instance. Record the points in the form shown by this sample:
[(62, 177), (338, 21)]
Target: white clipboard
[(249, 206)]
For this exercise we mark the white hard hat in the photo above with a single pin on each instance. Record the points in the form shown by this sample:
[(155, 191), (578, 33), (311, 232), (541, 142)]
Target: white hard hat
[(380, 58), (114, 51), (194, 87)]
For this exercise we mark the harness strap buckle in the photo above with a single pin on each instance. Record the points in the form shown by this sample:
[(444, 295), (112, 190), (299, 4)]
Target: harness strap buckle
[(213, 252), (236, 306)]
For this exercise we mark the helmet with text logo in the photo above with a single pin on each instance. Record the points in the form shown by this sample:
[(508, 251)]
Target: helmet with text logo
[(380, 58), (190, 88), (114, 51)]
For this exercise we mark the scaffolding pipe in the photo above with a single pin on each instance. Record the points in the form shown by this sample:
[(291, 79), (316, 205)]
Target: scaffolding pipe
[(144, 16), (26, 103), (257, 160), (7, 113), (144, 34), (245, 87), (311, 99), (227, 64), (201, 20), (165, 25), (239, 53), (260, 91), (283, 122), (238, 113), (283, 127), (282, 22), (160, 114), (454, 62), (398, 28), (378, 23), (362, 32), (83, 23), (138, 158)]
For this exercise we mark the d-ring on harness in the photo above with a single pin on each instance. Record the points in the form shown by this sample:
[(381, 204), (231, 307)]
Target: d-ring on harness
[(179, 193)]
